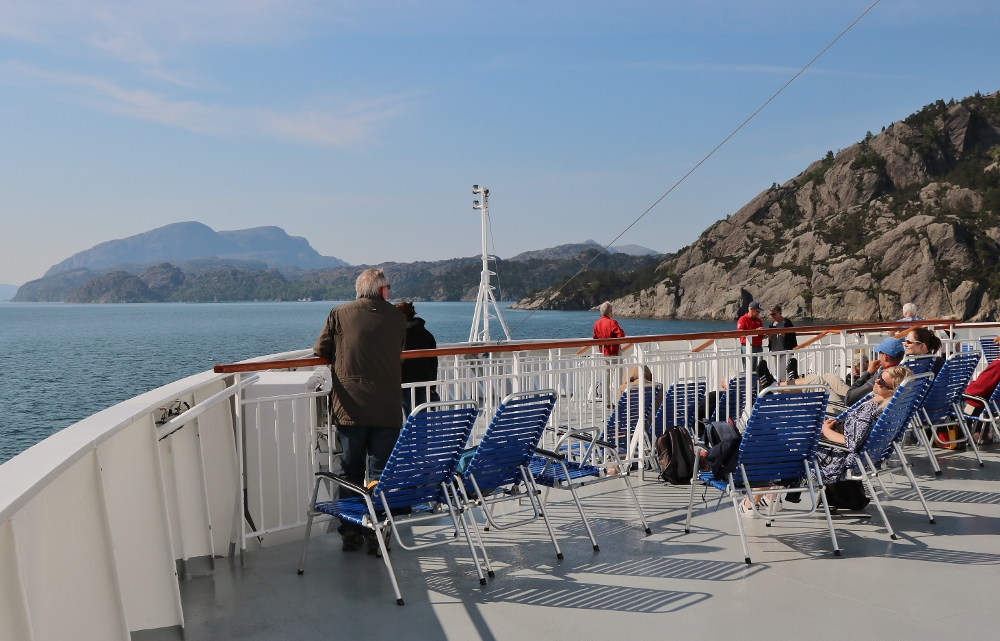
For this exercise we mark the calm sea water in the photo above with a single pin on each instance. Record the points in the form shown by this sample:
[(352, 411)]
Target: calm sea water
[(61, 363)]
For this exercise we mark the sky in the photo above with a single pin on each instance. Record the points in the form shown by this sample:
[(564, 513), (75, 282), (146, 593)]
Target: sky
[(361, 126)]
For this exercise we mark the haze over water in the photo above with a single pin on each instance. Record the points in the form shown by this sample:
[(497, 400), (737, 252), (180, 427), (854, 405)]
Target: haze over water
[(61, 363)]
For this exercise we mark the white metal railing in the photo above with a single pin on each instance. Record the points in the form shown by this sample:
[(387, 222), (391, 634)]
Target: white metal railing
[(139, 505)]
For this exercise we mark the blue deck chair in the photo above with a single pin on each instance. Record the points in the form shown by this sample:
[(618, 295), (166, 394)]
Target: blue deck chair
[(625, 417), (872, 459), (778, 448), (679, 407), (941, 405), (988, 419), (990, 349), (582, 458), (733, 399), (499, 469), (919, 364), (416, 479)]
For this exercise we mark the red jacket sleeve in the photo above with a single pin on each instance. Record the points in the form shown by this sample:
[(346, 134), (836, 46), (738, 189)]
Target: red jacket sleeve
[(617, 330), (985, 383)]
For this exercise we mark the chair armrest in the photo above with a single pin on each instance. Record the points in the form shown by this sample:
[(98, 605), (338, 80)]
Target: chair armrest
[(548, 454), (342, 482), (833, 445), (578, 434), (970, 397), (595, 441)]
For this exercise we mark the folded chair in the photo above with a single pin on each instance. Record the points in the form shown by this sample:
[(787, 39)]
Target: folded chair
[(872, 459), (778, 449), (416, 479), (499, 472), (941, 406)]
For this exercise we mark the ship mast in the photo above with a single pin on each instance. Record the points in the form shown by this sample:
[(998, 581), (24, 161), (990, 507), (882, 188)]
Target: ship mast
[(480, 331)]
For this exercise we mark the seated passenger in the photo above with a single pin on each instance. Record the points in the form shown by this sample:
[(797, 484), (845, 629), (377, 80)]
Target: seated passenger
[(631, 379), (921, 341), (852, 432), (890, 354), (983, 386)]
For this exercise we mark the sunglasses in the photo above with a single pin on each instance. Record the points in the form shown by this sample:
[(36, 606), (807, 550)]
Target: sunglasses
[(909, 342), (881, 383)]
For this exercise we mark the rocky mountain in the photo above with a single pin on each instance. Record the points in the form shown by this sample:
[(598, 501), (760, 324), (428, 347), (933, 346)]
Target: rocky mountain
[(205, 280), (911, 214), (191, 240)]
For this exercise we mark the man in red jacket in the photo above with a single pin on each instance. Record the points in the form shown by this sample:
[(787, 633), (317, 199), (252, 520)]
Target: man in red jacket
[(751, 320), (607, 327)]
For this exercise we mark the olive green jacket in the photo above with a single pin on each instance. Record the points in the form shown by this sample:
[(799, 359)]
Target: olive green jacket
[(363, 340)]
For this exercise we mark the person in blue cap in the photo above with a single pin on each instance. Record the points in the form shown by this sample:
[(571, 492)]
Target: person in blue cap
[(890, 353)]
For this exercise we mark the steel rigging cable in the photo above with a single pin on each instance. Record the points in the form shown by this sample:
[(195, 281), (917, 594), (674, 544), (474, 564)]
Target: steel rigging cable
[(702, 161)]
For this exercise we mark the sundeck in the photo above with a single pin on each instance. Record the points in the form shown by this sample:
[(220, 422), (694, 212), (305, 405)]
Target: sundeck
[(157, 519)]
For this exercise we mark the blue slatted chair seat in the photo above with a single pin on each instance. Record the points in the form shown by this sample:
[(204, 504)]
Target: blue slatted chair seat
[(679, 407), (892, 422), (919, 364), (733, 399), (990, 349), (509, 442), (354, 510), (782, 432), (420, 468), (625, 417), (948, 386), (553, 474), (709, 479)]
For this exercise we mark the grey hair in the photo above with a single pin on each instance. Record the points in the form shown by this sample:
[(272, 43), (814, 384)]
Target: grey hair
[(909, 310), (369, 282), (605, 309)]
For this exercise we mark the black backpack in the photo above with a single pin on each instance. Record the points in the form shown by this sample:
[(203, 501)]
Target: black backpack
[(721, 457), (675, 454)]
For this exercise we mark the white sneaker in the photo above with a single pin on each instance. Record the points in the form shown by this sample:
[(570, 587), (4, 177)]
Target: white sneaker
[(765, 505), (746, 511)]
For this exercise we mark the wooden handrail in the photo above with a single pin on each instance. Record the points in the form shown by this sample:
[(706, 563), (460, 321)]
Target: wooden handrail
[(507, 347), (907, 331), (813, 339), (702, 346)]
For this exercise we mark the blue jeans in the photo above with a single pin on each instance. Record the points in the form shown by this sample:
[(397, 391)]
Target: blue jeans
[(364, 447)]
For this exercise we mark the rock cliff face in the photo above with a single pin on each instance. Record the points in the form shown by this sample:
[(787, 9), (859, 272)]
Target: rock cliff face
[(909, 215)]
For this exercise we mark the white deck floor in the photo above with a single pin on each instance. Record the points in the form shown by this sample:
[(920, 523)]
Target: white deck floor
[(935, 582)]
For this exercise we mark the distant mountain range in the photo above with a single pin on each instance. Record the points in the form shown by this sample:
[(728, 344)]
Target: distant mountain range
[(190, 240), (270, 265), (7, 291)]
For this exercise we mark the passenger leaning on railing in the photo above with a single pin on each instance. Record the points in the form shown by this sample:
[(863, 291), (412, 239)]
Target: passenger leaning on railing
[(890, 354), (363, 340)]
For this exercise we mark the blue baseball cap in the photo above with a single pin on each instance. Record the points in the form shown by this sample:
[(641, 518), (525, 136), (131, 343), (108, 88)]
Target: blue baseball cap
[(891, 347)]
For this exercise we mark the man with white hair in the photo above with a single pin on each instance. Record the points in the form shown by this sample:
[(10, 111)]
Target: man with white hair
[(607, 327), (363, 340), (909, 313)]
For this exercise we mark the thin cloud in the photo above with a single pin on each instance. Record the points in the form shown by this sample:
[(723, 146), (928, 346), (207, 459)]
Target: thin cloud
[(328, 124)]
